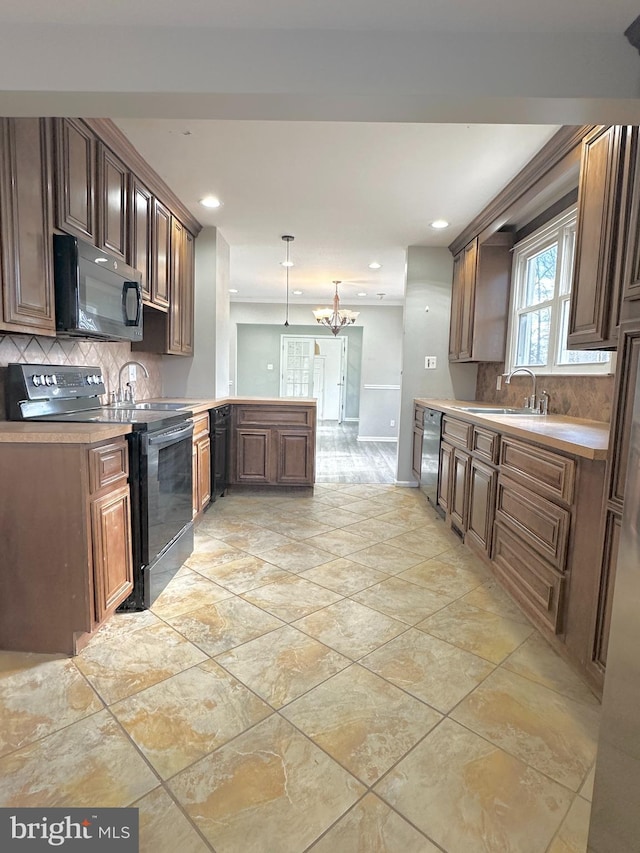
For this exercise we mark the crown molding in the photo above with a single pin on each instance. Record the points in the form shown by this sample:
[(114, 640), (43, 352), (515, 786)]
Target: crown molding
[(559, 147), (114, 138)]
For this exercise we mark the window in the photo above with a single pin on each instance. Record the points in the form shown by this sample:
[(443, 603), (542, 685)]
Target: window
[(539, 317)]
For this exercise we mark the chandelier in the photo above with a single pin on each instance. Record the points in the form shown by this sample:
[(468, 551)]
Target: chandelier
[(334, 318)]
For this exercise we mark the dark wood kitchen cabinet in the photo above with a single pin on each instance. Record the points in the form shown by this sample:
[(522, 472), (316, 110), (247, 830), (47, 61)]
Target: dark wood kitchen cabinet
[(161, 256), (273, 444), (112, 202), (480, 299), (201, 463), (417, 440), (140, 235), (26, 271), (603, 208), (180, 332), (75, 179), (68, 541)]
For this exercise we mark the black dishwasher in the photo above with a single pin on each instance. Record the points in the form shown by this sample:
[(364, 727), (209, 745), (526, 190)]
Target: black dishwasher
[(220, 419), (432, 425)]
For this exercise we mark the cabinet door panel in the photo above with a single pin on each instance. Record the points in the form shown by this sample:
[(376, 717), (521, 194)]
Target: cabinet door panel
[(482, 496), (457, 289), (253, 456), (459, 488), (112, 560), (204, 473), (416, 452), (140, 244), (295, 457), (605, 590), (444, 477), (186, 293), (161, 266), (75, 179), (595, 290), (467, 303), (25, 226), (113, 179), (175, 289)]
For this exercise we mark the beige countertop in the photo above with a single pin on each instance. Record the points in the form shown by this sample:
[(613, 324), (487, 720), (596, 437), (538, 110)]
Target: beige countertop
[(578, 436), (202, 404), (25, 432)]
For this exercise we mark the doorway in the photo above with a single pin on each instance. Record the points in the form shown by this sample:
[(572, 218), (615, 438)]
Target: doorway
[(315, 367)]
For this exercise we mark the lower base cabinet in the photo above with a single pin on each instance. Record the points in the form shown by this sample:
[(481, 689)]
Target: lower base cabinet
[(201, 463), (273, 445), (65, 526)]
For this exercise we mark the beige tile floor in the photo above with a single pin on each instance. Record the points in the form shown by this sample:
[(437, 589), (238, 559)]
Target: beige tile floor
[(330, 671)]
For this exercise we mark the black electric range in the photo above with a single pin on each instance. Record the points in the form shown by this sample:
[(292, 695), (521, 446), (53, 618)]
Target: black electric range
[(160, 462)]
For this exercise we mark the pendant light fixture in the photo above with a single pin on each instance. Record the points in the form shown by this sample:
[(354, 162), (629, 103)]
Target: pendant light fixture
[(286, 264), (334, 318)]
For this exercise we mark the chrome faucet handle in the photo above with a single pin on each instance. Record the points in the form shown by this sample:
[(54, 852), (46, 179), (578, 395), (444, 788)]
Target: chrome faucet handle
[(543, 405), (129, 393)]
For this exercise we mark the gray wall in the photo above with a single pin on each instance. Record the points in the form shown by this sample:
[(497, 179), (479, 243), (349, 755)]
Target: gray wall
[(429, 277), (374, 358), (207, 373)]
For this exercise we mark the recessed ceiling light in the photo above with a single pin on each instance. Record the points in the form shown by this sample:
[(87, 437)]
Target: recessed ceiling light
[(286, 263), (297, 293), (232, 290), (210, 201), (375, 266), (362, 294), (439, 223)]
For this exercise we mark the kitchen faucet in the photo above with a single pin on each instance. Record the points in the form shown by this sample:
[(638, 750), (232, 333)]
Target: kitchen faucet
[(128, 395), (532, 401)]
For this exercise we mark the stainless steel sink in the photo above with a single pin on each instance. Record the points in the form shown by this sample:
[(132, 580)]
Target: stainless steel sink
[(156, 407), (160, 406), (489, 410)]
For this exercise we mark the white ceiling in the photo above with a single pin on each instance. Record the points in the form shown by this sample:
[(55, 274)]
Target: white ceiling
[(350, 193), (543, 16)]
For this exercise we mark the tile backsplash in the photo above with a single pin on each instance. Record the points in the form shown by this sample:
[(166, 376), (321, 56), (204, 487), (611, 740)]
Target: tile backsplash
[(576, 396), (109, 357)]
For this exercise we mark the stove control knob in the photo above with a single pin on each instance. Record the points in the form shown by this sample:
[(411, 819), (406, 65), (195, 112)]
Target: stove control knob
[(97, 379), (48, 380), (54, 379), (36, 380), (90, 379)]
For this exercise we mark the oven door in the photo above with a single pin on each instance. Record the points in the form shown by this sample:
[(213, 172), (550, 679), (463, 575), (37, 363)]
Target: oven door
[(168, 507)]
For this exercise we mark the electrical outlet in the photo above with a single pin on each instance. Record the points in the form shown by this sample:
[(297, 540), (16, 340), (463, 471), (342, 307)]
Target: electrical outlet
[(430, 362), (499, 382), (269, 367), (132, 373), (392, 423)]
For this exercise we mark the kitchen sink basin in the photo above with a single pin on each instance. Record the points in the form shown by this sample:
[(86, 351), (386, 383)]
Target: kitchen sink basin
[(156, 407), (488, 410), (160, 406)]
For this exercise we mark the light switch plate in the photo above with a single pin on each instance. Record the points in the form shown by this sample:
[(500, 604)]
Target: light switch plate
[(430, 362)]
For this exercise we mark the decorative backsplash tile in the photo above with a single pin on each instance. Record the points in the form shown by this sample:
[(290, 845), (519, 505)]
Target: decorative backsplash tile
[(109, 357), (577, 396)]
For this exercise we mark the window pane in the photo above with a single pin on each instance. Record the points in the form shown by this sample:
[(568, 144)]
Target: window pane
[(534, 329), (568, 255), (541, 276), (575, 356)]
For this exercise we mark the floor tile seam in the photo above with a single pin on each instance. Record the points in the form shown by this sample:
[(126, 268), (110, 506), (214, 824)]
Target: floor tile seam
[(539, 684), (136, 692), (574, 793), (56, 731), (345, 595), (462, 648), (596, 704), (397, 618), (295, 619), (182, 811)]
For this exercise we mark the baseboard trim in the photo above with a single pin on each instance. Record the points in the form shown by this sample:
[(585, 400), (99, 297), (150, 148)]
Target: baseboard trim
[(376, 438), (407, 484)]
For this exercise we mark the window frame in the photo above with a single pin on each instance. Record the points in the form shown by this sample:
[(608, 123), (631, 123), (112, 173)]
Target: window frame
[(554, 231)]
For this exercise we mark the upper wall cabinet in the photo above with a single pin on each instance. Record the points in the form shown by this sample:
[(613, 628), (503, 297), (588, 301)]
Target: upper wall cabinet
[(26, 271), (112, 202), (630, 309), (75, 179), (480, 300), (603, 207)]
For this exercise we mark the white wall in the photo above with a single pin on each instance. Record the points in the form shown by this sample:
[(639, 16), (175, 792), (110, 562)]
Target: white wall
[(207, 373), (428, 285)]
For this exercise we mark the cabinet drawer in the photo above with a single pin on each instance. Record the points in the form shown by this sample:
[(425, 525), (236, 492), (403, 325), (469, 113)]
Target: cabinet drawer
[(457, 432), (200, 425), (543, 471), (418, 415), (274, 415), (107, 464), (534, 584), (543, 525), (485, 444)]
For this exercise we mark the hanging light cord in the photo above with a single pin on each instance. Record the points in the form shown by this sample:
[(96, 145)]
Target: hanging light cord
[(287, 238)]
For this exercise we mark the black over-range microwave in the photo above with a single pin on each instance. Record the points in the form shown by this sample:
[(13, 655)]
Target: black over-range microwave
[(97, 295)]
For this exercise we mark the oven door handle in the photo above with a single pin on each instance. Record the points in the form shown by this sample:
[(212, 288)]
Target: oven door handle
[(167, 437)]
